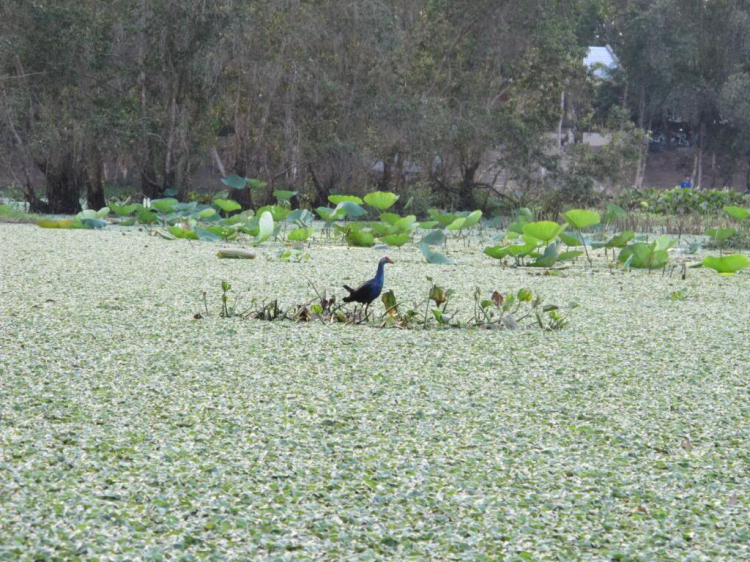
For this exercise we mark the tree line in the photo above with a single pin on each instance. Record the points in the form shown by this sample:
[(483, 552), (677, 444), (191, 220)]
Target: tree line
[(311, 94)]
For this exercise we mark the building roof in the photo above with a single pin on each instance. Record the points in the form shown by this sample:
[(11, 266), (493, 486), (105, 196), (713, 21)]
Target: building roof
[(602, 60)]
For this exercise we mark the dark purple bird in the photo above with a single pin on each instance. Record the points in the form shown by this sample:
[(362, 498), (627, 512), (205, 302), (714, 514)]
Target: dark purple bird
[(369, 290)]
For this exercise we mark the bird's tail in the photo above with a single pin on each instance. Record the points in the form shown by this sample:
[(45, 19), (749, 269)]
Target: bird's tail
[(349, 298)]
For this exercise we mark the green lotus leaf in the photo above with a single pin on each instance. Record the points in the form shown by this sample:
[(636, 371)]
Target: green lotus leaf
[(284, 194), (278, 213), (390, 218), (472, 219), (406, 223), (235, 182), (338, 199), (727, 265), (360, 238), (457, 224), (397, 240), (164, 205), (381, 200), (581, 219), (643, 256), (265, 227), (435, 257), (124, 210), (227, 205), (571, 240), (738, 213), (546, 231), (300, 234), (721, 234)]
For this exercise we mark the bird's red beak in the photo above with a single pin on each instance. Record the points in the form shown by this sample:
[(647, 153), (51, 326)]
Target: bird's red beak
[(389, 260)]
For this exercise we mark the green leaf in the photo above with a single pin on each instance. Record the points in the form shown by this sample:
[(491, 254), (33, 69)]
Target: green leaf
[(147, 217), (278, 213), (227, 205), (351, 209), (618, 241), (390, 218), (222, 232), (428, 225), (266, 227), (434, 238), (381, 229), (644, 256), (206, 235), (571, 240), (546, 231), (164, 205), (664, 242), (581, 219), (300, 234), (405, 224), (457, 224), (435, 257), (235, 182), (124, 210), (525, 295), (397, 240), (727, 265), (330, 215), (300, 215), (389, 301), (570, 255), (255, 183), (381, 200), (338, 199), (360, 238), (206, 213), (86, 214), (472, 219), (443, 219), (179, 232), (738, 213), (180, 207), (497, 252), (284, 194), (721, 234), (517, 227)]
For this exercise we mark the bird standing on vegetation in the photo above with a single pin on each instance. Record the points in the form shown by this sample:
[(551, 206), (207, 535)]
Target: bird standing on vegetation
[(369, 290)]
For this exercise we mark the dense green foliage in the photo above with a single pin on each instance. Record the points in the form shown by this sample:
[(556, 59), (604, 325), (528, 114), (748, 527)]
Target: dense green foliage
[(308, 95), (322, 98)]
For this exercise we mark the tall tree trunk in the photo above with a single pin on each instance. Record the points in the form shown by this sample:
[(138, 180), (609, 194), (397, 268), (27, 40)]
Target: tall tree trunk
[(321, 192), (63, 185), (466, 188), (701, 146), (94, 183), (640, 171)]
